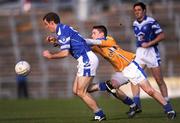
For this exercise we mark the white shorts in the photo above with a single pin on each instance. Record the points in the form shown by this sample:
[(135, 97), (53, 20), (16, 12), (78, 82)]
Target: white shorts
[(119, 78), (148, 56), (88, 69), (134, 73)]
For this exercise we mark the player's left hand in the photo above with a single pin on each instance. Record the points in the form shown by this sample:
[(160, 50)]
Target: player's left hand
[(51, 39), (47, 54)]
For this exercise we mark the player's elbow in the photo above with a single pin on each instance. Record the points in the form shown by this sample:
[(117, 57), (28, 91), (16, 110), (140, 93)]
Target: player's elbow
[(66, 54), (162, 36)]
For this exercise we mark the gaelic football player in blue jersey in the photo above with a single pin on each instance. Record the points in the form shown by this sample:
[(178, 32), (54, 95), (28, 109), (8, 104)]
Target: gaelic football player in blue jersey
[(148, 34), (71, 42)]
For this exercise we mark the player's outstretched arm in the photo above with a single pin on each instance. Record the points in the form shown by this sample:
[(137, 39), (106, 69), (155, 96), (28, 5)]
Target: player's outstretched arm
[(104, 43), (93, 41), (56, 55)]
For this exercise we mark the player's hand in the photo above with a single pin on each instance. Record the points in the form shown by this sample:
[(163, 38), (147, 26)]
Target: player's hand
[(145, 44), (51, 39), (47, 54)]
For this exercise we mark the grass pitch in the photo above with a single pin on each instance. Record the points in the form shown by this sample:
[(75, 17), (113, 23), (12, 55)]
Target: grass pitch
[(74, 111)]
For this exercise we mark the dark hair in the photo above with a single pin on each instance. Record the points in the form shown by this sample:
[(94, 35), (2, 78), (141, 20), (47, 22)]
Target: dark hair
[(52, 17), (141, 4), (101, 28)]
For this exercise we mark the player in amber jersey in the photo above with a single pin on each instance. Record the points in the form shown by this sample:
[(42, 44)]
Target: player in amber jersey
[(123, 61), (107, 52), (118, 65)]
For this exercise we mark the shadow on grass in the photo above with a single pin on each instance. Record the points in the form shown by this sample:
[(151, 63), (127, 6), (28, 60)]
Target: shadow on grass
[(142, 116), (114, 118), (26, 118)]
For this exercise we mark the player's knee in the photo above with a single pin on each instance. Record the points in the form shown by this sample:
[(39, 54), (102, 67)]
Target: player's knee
[(114, 84), (150, 91), (80, 93)]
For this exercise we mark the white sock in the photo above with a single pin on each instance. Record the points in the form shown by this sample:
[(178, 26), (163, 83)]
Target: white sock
[(167, 99)]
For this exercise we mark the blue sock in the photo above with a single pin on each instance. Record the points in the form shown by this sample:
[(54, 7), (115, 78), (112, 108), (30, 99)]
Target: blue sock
[(167, 107), (128, 101), (137, 101), (99, 113), (102, 86)]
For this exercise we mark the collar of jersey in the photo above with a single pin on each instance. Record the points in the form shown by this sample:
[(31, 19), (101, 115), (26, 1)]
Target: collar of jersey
[(145, 17), (57, 28)]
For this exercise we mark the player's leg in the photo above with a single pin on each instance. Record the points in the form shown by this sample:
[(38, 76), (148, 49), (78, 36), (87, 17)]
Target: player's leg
[(86, 71), (115, 91), (136, 96), (133, 108), (81, 84), (145, 85), (75, 85), (93, 87), (152, 60), (157, 74), (136, 90), (137, 76), (118, 79), (113, 87)]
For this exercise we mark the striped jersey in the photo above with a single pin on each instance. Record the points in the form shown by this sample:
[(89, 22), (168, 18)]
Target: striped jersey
[(70, 39), (146, 31)]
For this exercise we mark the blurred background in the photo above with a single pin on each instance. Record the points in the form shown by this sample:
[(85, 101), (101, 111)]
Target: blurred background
[(22, 38)]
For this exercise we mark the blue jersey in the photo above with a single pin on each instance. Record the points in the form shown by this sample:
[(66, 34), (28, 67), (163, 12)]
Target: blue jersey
[(146, 31), (70, 39)]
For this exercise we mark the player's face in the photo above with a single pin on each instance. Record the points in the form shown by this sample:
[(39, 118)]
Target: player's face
[(96, 34), (139, 13), (50, 26)]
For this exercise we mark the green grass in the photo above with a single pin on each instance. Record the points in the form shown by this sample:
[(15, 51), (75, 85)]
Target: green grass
[(74, 111)]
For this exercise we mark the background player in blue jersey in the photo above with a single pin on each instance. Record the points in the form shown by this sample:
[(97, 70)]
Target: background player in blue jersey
[(71, 42), (148, 34)]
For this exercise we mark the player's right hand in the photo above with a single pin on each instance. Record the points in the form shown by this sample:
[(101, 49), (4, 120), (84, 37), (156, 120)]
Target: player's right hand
[(47, 54)]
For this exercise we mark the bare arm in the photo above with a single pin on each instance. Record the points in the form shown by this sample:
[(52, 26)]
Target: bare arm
[(60, 54)]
